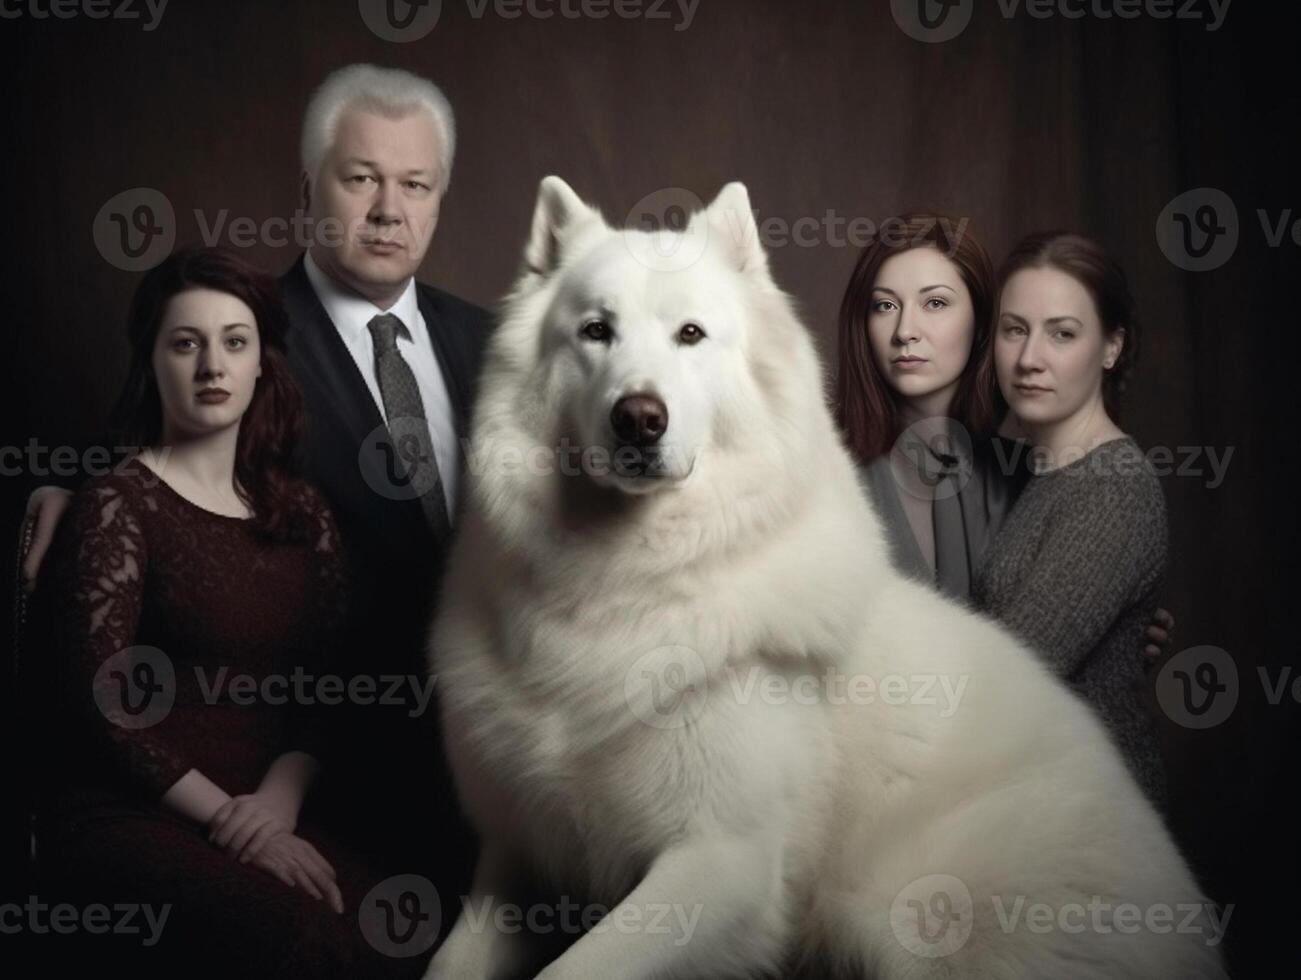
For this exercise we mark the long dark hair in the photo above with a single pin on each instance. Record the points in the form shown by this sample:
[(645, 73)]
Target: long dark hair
[(867, 408), (267, 473), (1103, 278)]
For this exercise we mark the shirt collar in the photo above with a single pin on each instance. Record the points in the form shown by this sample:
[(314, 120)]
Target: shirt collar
[(351, 312)]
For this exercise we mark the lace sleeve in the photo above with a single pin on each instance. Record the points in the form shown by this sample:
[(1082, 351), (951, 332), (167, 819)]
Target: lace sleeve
[(326, 633), (121, 693)]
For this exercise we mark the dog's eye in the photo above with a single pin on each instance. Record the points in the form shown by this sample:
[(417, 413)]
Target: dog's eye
[(596, 330), (691, 333)]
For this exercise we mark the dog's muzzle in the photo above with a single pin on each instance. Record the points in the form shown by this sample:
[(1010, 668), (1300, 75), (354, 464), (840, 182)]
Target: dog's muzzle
[(639, 422)]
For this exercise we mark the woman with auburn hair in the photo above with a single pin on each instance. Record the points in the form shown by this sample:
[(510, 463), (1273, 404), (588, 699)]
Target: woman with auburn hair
[(916, 413), (1077, 568), (187, 588)]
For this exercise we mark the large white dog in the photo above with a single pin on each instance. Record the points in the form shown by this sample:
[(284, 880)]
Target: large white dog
[(682, 682)]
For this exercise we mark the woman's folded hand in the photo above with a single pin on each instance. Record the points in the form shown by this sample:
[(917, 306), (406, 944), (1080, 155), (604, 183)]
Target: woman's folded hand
[(299, 865), (243, 825)]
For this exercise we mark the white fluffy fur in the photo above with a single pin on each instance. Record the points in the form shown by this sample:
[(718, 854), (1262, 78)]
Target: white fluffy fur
[(792, 827)]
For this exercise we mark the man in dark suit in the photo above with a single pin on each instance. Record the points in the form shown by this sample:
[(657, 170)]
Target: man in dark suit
[(387, 368)]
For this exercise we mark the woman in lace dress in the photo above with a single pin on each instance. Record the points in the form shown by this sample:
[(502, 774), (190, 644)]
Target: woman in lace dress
[(196, 593)]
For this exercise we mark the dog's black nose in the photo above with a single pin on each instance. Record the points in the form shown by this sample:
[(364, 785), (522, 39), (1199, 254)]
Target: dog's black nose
[(639, 420)]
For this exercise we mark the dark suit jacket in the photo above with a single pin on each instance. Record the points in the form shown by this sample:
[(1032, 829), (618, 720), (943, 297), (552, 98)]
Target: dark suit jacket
[(386, 760), (393, 558)]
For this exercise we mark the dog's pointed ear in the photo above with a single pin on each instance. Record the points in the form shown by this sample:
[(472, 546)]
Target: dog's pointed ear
[(558, 212), (732, 225)]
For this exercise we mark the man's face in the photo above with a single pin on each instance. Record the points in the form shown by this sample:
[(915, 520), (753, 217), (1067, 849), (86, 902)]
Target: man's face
[(375, 201)]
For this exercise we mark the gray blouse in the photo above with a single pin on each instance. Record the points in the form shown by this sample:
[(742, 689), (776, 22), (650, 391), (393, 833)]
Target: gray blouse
[(985, 477)]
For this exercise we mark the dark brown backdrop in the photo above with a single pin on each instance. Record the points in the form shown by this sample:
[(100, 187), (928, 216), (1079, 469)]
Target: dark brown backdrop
[(1091, 123)]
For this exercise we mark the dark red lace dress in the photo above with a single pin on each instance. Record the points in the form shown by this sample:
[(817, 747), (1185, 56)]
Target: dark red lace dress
[(134, 564)]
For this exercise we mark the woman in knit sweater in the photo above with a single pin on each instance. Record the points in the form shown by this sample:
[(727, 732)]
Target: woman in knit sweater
[(1078, 564)]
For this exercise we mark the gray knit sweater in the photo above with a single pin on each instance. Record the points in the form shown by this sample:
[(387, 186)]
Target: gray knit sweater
[(1075, 572)]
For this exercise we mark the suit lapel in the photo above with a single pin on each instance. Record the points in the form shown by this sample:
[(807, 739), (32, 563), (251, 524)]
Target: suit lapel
[(321, 353)]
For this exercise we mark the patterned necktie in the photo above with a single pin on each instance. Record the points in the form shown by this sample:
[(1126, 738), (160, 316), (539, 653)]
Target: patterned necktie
[(407, 425)]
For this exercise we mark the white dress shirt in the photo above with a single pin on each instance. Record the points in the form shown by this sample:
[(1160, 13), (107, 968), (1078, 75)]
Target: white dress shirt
[(351, 313)]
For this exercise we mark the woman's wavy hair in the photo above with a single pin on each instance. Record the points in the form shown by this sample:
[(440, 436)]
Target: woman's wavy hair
[(1087, 262), (267, 470), (867, 408)]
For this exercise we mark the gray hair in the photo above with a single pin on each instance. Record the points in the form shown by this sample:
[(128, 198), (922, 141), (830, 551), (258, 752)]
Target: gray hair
[(389, 91)]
